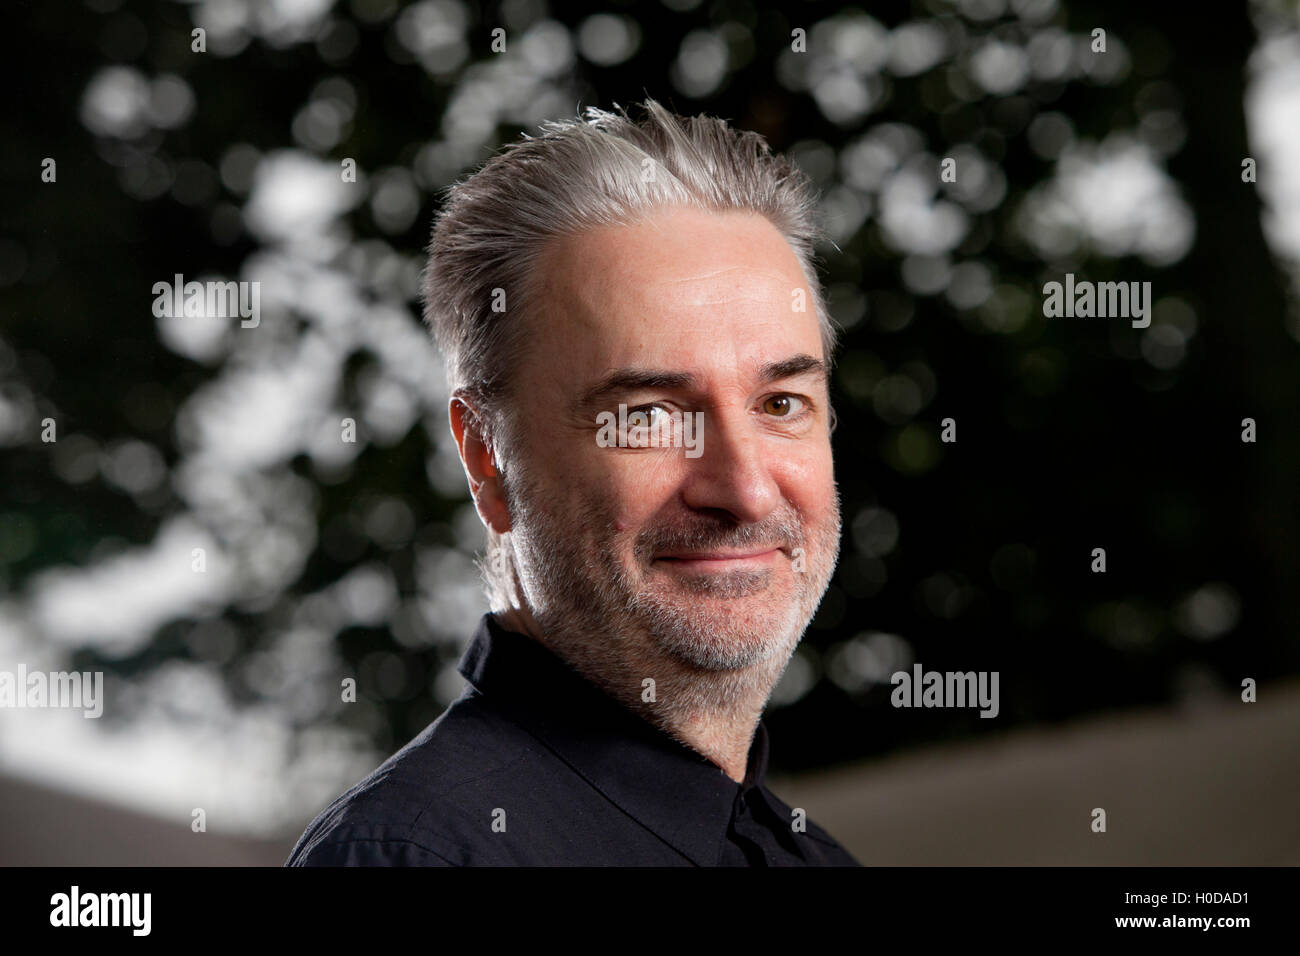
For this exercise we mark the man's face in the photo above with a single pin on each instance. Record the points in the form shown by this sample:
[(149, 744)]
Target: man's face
[(716, 555)]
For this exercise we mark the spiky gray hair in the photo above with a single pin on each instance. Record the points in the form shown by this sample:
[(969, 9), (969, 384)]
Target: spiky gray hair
[(602, 169)]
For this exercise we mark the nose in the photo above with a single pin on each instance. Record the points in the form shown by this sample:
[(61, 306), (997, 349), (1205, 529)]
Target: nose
[(733, 472)]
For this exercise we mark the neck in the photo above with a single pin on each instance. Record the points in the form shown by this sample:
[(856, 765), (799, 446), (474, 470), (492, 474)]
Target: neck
[(715, 713)]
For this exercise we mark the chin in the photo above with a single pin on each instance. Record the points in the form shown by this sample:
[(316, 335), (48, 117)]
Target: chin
[(725, 637)]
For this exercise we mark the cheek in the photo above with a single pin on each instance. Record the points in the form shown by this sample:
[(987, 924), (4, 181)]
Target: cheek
[(634, 489), (809, 477)]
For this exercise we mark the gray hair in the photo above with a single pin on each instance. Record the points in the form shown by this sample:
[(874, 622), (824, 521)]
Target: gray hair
[(578, 174)]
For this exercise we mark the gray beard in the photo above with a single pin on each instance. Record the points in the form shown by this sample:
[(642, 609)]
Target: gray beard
[(597, 619)]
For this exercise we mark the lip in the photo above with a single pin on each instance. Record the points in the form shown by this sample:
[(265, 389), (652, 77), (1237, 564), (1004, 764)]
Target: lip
[(704, 560)]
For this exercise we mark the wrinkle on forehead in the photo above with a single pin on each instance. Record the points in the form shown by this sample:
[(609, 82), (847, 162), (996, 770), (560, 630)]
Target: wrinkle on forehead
[(686, 275), (723, 285)]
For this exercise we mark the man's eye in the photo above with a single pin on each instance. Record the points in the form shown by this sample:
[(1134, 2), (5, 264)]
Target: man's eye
[(651, 413), (783, 406)]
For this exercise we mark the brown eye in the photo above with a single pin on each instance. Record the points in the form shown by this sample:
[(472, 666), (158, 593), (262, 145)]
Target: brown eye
[(782, 406)]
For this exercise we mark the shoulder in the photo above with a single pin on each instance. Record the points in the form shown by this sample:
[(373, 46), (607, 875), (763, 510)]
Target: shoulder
[(430, 804), (825, 849), (359, 847)]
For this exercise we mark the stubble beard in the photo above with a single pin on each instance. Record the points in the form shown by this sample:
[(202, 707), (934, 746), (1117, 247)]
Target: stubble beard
[(711, 643)]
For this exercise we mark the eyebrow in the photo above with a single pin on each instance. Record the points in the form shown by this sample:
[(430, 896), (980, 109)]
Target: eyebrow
[(638, 379)]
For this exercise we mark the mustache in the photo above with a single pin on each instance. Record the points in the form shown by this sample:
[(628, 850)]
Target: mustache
[(720, 534)]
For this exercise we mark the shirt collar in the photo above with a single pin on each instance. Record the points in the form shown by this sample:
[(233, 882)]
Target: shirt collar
[(672, 790)]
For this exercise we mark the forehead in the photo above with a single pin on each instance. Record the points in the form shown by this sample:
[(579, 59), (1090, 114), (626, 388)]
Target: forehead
[(682, 286)]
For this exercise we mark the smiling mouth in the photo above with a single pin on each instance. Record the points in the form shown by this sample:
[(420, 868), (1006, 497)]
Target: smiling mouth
[(719, 560)]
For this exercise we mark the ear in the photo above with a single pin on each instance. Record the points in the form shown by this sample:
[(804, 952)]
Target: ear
[(478, 458)]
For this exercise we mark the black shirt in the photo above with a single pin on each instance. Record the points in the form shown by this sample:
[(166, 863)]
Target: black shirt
[(535, 766)]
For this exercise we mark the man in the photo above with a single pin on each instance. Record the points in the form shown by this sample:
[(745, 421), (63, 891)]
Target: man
[(638, 351)]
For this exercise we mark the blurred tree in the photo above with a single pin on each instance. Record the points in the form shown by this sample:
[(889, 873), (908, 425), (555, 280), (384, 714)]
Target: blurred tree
[(327, 560)]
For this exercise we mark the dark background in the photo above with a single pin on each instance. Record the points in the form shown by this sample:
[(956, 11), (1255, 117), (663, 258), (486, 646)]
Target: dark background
[(326, 563)]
